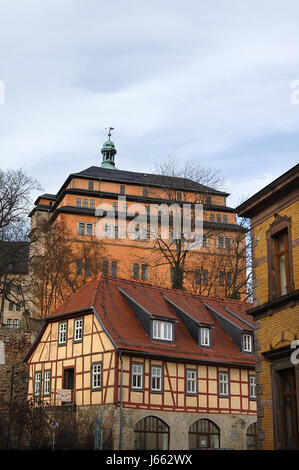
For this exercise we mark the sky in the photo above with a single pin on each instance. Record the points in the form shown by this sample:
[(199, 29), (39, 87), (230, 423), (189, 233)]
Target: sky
[(204, 81)]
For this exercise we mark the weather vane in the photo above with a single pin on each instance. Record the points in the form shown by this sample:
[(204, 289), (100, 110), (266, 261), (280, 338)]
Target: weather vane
[(109, 131)]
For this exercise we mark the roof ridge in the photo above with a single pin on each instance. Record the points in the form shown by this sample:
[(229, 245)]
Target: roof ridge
[(178, 291)]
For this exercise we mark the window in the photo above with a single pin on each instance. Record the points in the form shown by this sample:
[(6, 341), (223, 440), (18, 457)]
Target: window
[(78, 329), (197, 276), (78, 266), (137, 376), (224, 217), (90, 185), (122, 189), (114, 268), (220, 242), (18, 307), (205, 277), (85, 203), (205, 241), (282, 263), (288, 408), (162, 330), (81, 228), (47, 382), (10, 306), (19, 289), (88, 268), (247, 342), (16, 323), (172, 275), (218, 218), (145, 192), (136, 271), (37, 383), (212, 217), (96, 376), (89, 229), (62, 332), (144, 272), (229, 278), (208, 200), (9, 323), (223, 383), (156, 379), (221, 278), (252, 387), (78, 202), (179, 196), (205, 336), (204, 434), (92, 203), (227, 243), (191, 382), (105, 267), (280, 268), (85, 228), (151, 433)]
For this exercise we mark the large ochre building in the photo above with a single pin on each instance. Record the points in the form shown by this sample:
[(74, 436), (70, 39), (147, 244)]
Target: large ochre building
[(274, 214), (208, 270)]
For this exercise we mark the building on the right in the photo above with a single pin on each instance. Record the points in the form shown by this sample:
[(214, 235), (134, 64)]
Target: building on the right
[(274, 214)]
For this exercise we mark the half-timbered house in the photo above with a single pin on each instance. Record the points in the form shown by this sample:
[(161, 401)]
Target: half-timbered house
[(169, 369)]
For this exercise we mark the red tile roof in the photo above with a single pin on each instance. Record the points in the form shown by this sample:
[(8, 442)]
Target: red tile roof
[(105, 294)]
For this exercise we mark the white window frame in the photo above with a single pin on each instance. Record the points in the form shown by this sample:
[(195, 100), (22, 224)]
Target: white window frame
[(137, 376), (247, 342), (156, 379), (16, 323), (78, 329), (162, 330), (96, 376), (252, 387), (62, 332), (37, 383), (47, 383), (191, 381), (9, 323), (223, 380), (205, 339), (82, 228)]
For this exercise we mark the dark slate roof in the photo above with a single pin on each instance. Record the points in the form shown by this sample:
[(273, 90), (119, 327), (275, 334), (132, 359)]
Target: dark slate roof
[(51, 197), (146, 179)]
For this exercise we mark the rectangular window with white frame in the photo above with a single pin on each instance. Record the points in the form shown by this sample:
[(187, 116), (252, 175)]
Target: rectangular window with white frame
[(205, 337), (247, 342), (191, 382), (156, 379), (162, 330), (37, 383), (223, 383), (47, 383), (78, 330), (137, 372), (252, 387), (96, 376), (62, 333)]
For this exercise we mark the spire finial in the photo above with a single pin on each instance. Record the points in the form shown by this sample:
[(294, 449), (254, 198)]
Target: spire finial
[(109, 131)]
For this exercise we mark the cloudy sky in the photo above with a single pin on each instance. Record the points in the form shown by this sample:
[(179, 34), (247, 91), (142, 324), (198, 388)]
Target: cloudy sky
[(203, 80)]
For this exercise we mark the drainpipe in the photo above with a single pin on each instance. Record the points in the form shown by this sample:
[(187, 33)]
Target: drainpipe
[(121, 401)]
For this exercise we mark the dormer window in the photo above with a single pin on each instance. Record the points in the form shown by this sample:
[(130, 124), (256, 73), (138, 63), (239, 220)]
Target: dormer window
[(162, 330), (205, 337), (247, 342)]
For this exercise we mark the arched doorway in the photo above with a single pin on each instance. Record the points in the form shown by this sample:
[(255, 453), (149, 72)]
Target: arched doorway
[(204, 434), (251, 437), (151, 433)]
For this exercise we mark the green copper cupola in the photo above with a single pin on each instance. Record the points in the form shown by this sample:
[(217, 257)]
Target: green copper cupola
[(108, 152)]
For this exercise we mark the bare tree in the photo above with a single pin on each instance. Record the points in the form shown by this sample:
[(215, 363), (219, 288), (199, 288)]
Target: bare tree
[(60, 265), (16, 189)]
